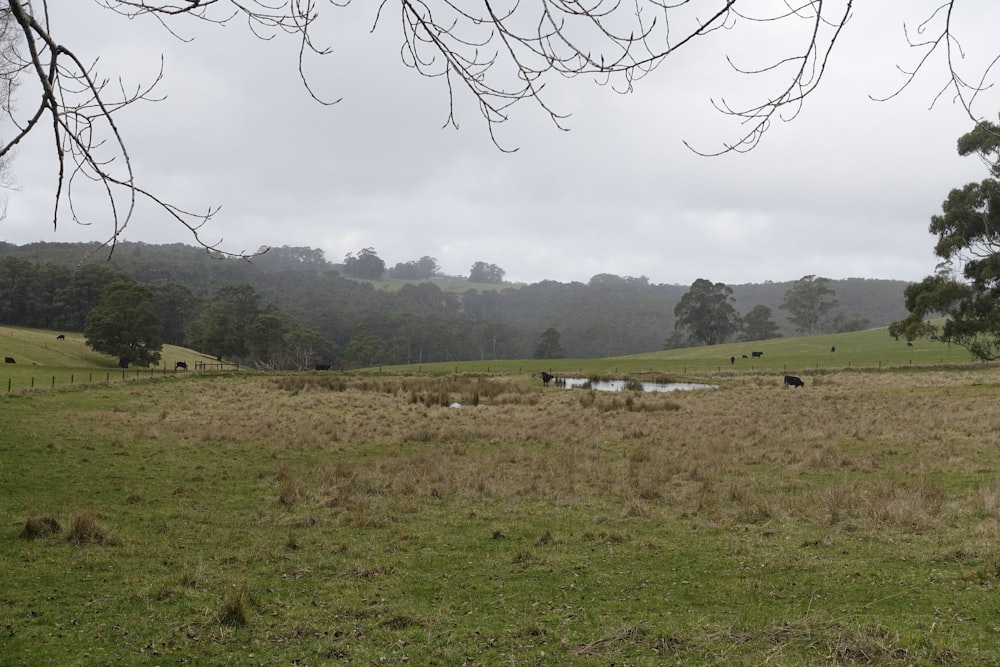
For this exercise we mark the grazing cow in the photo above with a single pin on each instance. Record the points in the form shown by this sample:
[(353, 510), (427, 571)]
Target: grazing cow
[(181, 365), (794, 381), (323, 367), (756, 355), (744, 356), (61, 337), (546, 378), (909, 344), (9, 360)]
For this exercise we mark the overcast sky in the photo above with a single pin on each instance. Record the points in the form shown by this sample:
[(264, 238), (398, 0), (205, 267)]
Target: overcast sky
[(844, 190)]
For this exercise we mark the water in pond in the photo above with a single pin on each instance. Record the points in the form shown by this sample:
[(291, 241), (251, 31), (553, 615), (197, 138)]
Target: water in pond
[(621, 385)]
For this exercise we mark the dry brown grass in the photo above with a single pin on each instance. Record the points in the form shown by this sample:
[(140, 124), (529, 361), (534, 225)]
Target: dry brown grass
[(749, 452), (39, 526), (84, 529)]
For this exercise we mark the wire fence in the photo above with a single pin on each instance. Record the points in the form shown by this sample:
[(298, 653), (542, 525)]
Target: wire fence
[(24, 383)]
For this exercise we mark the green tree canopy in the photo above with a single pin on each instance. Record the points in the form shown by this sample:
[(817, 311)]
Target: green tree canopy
[(424, 268), (220, 327), (212, 330), (174, 304), (277, 342), (807, 304), (707, 314), (481, 272), (125, 324), (366, 264), (758, 325), (365, 347), (549, 346), (966, 289)]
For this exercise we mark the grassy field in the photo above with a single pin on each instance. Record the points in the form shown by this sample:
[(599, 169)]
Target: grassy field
[(869, 349), (320, 518), (43, 360)]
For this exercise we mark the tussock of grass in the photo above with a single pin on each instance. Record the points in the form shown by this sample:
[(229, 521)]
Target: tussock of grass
[(39, 526), (235, 609), (84, 529), (399, 622)]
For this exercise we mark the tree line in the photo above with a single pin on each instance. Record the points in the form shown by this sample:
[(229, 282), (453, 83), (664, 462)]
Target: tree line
[(291, 308)]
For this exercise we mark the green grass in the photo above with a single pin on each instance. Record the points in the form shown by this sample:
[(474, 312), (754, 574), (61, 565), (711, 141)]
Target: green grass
[(42, 361), (869, 349), (323, 518)]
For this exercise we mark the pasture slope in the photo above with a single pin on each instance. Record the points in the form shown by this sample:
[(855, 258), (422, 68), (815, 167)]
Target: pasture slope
[(857, 350), (41, 358), (38, 353)]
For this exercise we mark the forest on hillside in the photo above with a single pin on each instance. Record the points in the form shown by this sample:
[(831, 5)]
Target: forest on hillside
[(302, 303)]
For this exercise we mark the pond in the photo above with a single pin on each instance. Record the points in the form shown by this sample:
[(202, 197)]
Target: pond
[(632, 385)]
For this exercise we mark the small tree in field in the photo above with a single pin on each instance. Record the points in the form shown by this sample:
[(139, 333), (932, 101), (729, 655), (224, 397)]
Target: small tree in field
[(125, 325)]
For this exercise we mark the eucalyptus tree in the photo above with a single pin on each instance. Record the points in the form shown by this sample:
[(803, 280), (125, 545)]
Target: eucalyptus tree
[(365, 264), (807, 303), (759, 325), (966, 287), (483, 272), (499, 56), (706, 313)]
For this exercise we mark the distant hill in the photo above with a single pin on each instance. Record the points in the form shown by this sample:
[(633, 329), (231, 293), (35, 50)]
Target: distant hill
[(434, 320)]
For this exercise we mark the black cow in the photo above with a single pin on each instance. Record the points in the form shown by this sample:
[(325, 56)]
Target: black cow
[(323, 367), (181, 364), (61, 337), (756, 355), (794, 381), (909, 344), (732, 360), (9, 360), (546, 378), (833, 349)]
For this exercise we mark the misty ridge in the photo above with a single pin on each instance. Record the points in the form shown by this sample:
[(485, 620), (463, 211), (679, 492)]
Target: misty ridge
[(374, 321)]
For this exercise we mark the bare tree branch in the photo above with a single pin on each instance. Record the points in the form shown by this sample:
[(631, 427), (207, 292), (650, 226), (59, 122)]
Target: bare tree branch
[(498, 53)]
